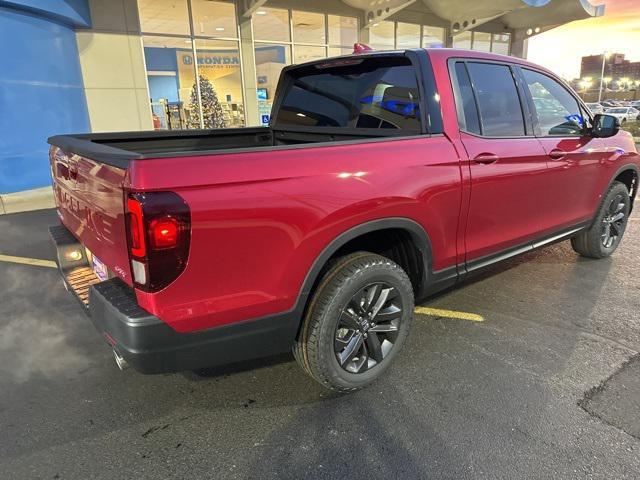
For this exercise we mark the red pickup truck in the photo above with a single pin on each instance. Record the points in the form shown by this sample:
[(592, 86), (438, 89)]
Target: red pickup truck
[(382, 178)]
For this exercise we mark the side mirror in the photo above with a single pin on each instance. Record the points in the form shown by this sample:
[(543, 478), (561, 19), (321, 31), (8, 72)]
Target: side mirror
[(605, 125)]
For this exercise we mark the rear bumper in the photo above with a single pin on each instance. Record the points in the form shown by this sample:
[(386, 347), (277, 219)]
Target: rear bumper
[(152, 346)]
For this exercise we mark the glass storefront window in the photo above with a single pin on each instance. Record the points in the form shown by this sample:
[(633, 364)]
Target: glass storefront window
[(407, 35), (343, 31), (178, 100), (214, 19), (271, 58), (482, 41), (274, 49), (390, 35), (381, 36), (171, 76), (501, 42), (462, 40), (220, 83), (308, 27), (432, 36), (164, 16), (271, 24), (307, 53), (337, 51)]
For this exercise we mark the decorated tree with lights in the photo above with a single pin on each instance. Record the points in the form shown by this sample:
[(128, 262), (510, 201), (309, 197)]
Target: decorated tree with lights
[(212, 112)]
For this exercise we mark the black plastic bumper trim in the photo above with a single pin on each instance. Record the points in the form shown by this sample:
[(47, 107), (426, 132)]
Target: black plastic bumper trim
[(152, 346)]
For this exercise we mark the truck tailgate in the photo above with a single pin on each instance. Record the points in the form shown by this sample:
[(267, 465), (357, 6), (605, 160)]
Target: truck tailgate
[(90, 200)]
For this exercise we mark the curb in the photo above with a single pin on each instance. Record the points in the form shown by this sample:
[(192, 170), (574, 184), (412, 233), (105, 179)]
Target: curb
[(28, 200)]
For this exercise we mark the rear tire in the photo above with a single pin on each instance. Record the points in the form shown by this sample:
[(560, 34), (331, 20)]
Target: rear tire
[(356, 323), (604, 235)]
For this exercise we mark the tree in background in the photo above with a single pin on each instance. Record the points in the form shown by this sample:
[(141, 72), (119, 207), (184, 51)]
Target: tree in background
[(212, 112)]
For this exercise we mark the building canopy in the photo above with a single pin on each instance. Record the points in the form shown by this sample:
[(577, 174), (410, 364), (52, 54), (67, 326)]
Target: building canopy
[(523, 17)]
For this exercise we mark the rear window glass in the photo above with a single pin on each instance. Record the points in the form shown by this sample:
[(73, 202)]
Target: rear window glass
[(467, 111), (377, 93)]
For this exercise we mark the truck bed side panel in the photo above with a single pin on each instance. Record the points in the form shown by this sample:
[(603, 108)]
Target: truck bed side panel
[(260, 219)]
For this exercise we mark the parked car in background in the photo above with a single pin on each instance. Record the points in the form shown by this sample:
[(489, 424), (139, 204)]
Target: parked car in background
[(595, 107), (608, 104), (635, 104), (382, 178), (624, 114)]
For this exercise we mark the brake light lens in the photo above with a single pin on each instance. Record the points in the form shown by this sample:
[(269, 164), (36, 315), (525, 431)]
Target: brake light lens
[(136, 232), (164, 232), (159, 231)]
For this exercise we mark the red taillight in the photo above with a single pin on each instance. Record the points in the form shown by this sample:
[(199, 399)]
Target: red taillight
[(159, 237), (164, 232), (136, 231)]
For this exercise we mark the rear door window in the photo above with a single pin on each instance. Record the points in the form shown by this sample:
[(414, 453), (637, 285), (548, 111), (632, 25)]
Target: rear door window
[(379, 93), (497, 99)]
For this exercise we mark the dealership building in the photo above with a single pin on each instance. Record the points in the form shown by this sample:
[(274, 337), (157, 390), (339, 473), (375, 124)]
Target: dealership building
[(112, 65)]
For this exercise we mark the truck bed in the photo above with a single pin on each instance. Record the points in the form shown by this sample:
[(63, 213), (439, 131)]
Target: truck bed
[(119, 148)]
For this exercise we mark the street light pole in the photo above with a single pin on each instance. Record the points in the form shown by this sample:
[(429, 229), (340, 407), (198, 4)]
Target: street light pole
[(604, 58)]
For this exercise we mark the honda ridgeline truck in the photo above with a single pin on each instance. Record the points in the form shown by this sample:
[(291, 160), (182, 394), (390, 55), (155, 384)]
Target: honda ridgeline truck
[(382, 178)]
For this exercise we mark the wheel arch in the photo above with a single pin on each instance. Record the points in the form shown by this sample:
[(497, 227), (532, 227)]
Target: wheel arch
[(629, 175), (415, 231)]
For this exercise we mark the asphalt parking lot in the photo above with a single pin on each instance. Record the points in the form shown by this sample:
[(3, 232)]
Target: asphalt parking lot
[(547, 386)]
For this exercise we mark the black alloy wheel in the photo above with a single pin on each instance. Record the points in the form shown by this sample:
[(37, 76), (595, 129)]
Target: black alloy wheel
[(368, 327), (614, 221), (356, 323), (603, 236)]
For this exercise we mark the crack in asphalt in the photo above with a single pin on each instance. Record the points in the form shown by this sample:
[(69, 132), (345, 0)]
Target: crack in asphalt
[(590, 395), (155, 429)]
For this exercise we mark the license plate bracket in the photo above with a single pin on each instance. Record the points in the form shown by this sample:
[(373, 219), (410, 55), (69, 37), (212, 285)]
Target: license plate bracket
[(99, 268)]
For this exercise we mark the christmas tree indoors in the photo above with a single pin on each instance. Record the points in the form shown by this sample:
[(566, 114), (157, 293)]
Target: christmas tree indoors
[(212, 113)]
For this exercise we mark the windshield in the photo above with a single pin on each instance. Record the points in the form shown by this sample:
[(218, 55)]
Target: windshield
[(377, 93), (617, 110)]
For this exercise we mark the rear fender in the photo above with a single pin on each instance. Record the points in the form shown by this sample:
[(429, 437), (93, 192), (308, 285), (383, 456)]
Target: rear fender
[(417, 232)]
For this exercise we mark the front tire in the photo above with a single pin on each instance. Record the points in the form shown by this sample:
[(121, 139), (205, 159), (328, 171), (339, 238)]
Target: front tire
[(604, 235), (356, 323)]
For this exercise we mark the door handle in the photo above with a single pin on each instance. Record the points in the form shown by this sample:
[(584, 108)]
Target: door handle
[(486, 158), (557, 154)]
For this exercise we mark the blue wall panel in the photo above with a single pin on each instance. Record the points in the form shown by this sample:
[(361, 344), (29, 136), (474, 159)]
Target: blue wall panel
[(161, 59), (163, 87), (41, 94), (71, 12)]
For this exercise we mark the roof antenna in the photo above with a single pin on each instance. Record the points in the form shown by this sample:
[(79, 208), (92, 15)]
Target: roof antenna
[(359, 48)]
